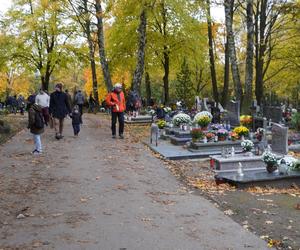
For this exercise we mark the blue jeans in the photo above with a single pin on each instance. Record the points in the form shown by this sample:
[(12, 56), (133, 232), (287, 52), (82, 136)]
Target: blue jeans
[(37, 142), (76, 128)]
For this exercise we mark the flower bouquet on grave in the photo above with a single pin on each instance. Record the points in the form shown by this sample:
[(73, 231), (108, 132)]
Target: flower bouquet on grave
[(242, 131), (233, 136), (246, 120), (295, 166), (197, 134), (152, 112), (271, 161), (161, 124), (259, 134), (167, 110), (222, 134), (181, 119), (210, 136), (216, 126), (247, 145), (203, 121)]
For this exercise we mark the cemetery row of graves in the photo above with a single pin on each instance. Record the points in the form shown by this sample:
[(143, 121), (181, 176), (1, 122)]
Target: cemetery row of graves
[(244, 150)]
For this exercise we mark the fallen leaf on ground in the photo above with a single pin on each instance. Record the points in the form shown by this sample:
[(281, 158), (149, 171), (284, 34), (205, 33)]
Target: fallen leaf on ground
[(229, 212), (269, 222)]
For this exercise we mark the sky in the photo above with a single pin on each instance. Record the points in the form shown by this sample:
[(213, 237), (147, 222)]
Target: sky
[(217, 12)]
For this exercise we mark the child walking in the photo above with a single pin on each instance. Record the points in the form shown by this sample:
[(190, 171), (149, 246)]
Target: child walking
[(36, 126), (76, 120)]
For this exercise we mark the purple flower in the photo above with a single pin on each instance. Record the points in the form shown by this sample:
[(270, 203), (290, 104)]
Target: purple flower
[(222, 131)]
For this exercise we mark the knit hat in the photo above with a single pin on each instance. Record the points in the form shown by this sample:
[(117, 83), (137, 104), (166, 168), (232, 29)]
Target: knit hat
[(118, 85)]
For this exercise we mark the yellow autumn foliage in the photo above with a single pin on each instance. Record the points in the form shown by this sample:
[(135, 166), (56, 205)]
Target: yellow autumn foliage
[(118, 76)]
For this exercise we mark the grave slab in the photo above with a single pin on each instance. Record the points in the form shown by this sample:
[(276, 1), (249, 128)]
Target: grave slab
[(231, 163), (260, 178)]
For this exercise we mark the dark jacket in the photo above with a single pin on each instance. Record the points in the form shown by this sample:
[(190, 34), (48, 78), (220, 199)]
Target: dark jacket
[(31, 119), (76, 117), (59, 105)]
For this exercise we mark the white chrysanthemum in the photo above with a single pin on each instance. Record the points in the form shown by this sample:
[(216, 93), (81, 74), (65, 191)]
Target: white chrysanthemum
[(181, 119), (201, 114)]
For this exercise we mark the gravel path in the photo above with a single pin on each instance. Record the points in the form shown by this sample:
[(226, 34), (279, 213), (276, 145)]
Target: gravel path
[(93, 192)]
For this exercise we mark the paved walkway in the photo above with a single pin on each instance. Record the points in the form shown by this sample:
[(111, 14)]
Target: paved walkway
[(93, 192)]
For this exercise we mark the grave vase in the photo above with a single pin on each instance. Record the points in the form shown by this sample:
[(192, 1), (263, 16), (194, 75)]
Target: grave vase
[(271, 167), (222, 138)]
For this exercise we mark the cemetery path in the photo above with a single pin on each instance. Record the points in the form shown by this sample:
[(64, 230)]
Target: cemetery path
[(93, 192)]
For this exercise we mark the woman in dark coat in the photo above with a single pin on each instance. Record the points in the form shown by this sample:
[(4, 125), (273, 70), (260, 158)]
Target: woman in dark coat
[(59, 109)]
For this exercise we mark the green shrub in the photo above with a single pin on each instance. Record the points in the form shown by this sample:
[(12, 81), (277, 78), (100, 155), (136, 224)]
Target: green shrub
[(296, 121), (4, 127)]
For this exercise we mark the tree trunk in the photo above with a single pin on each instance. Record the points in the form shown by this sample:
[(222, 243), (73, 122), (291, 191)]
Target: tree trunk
[(91, 45), (211, 54), (261, 17), (249, 58), (166, 76), (139, 71), (229, 4), (100, 35), (148, 88), (225, 91)]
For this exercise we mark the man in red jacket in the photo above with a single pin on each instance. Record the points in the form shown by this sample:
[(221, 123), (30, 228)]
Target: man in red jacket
[(116, 101)]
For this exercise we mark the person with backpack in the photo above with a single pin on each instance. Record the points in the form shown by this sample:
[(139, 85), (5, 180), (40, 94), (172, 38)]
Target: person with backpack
[(59, 108), (36, 126), (116, 101), (79, 100)]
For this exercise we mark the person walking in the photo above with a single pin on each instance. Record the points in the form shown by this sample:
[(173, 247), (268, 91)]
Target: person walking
[(43, 100), (76, 120), (79, 100), (36, 126), (21, 104), (58, 109), (116, 101)]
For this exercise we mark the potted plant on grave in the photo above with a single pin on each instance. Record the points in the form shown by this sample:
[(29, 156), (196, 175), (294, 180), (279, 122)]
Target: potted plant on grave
[(203, 119), (210, 136), (197, 134), (233, 136), (246, 120), (181, 119), (247, 146), (271, 161), (295, 166), (161, 124), (242, 131), (222, 134)]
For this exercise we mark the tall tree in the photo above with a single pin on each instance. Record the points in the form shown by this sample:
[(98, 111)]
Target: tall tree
[(139, 71), (211, 54), (83, 16), (184, 87), (249, 57), (41, 34), (229, 6), (101, 45)]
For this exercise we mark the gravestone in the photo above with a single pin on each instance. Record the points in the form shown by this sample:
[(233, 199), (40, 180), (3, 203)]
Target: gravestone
[(259, 122), (273, 112), (279, 139), (233, 109), (204, 106), (198, 103), (216, 113)]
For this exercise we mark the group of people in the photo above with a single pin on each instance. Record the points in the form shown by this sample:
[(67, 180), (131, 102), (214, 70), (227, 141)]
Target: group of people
[(53, 109)]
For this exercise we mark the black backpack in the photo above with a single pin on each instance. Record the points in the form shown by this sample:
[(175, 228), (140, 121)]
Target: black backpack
[(38, 120)]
